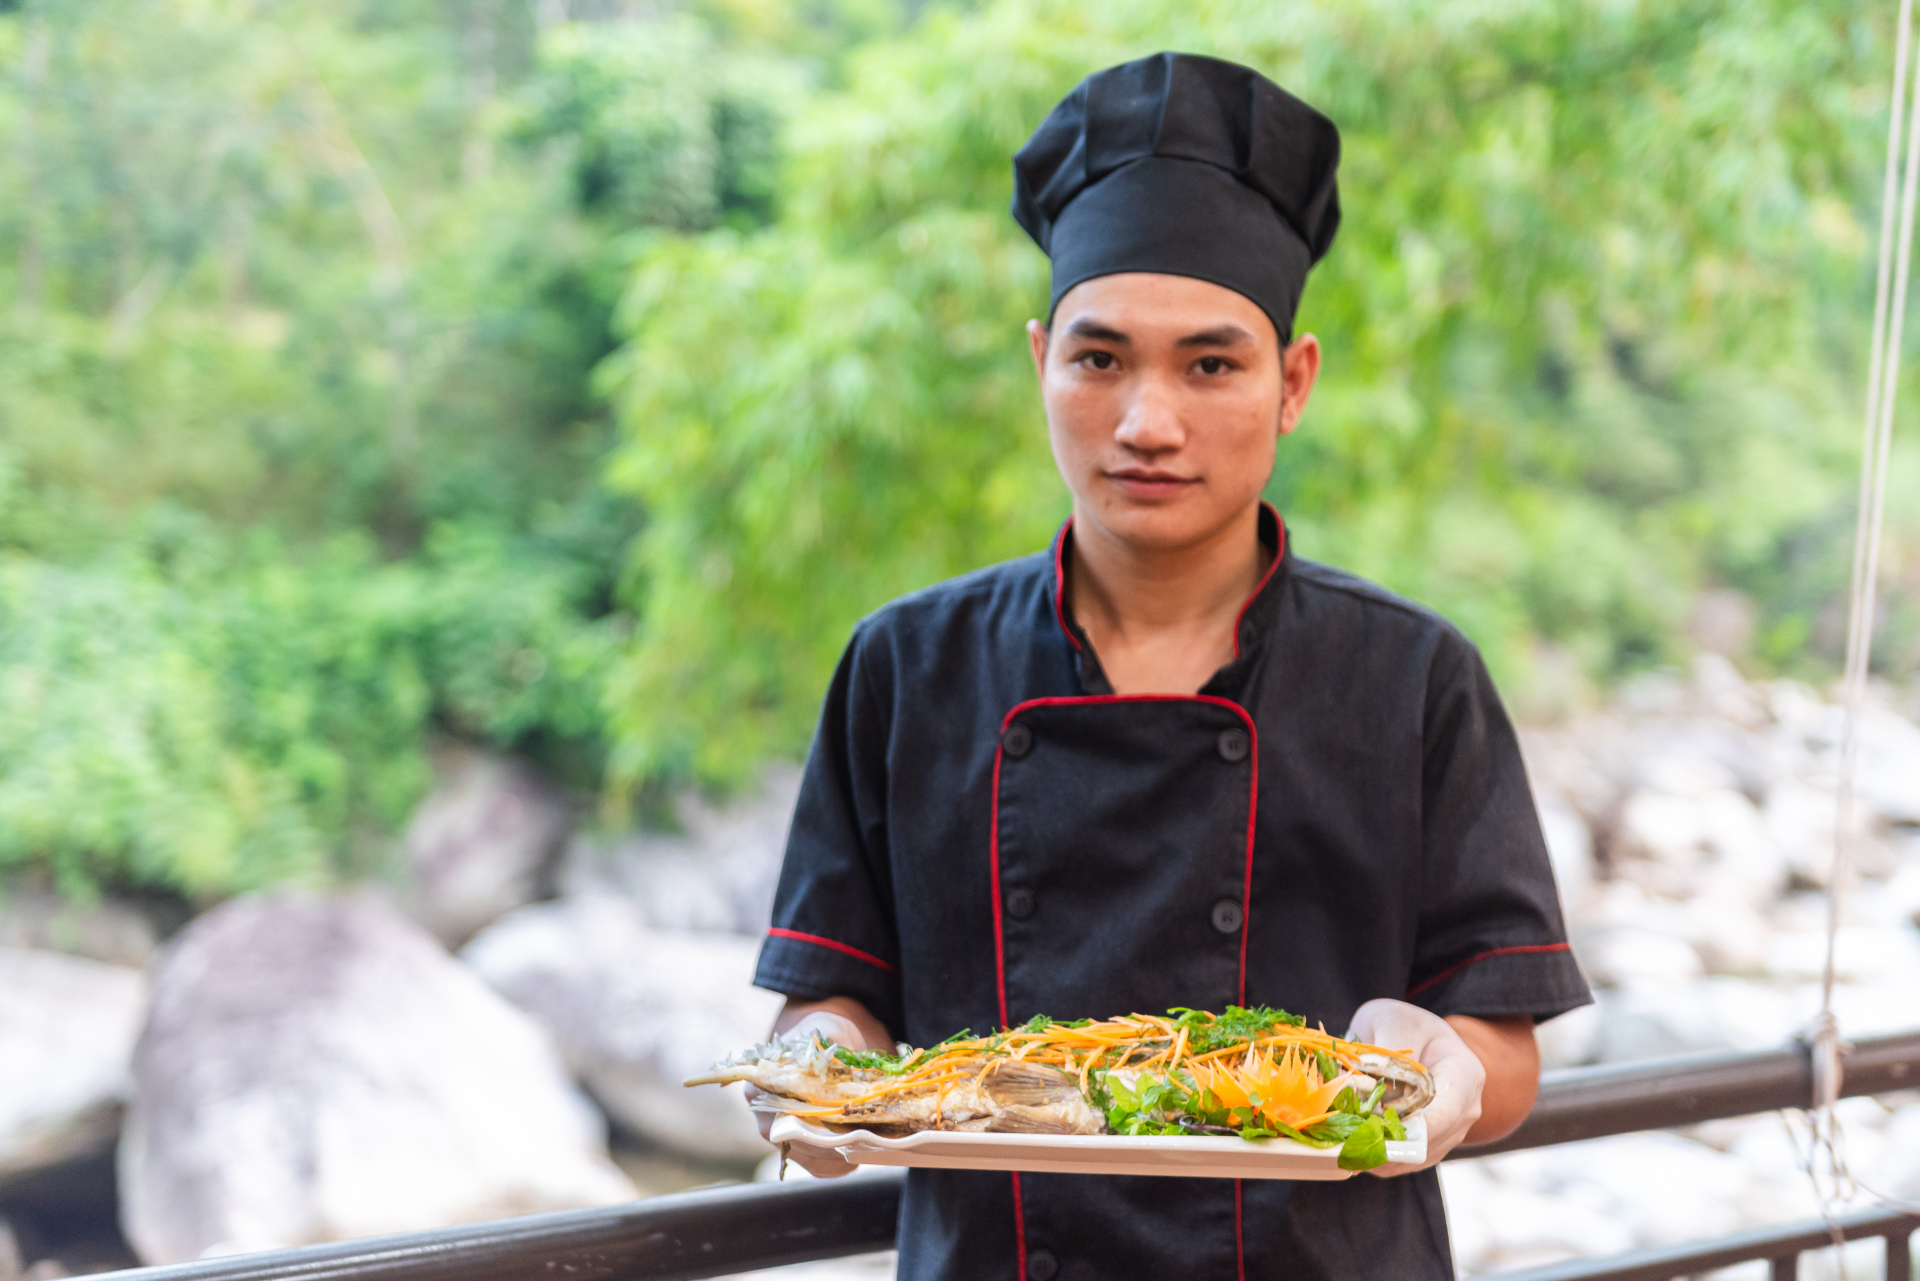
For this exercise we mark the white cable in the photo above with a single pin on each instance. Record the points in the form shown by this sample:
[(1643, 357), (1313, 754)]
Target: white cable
[(1883, 380)]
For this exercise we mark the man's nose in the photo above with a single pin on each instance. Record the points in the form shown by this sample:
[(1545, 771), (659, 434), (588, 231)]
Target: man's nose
[(1152, 424)]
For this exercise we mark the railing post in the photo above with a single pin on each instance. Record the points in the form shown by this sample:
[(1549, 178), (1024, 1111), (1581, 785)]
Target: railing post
[(1899, 1256), (1784, 1268)]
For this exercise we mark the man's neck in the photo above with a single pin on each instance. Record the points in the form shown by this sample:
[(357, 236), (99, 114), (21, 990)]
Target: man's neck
[(1162, 620)]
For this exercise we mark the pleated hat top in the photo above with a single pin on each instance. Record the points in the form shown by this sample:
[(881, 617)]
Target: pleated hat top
[(1186, 166)]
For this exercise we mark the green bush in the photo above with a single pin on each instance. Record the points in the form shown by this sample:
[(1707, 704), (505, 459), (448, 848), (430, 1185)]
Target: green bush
[(302, 460), (205, 720), (1591, 324), (299, 462)]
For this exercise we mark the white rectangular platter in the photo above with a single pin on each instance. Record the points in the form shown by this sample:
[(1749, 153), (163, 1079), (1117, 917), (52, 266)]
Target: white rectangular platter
[(1200, 1157)]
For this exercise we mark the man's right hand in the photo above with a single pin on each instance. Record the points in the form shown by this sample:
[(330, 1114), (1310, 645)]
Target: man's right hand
[(841, 1021)]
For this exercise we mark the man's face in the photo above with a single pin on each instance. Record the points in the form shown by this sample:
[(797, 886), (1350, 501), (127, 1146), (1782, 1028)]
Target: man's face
[(1165, 397)]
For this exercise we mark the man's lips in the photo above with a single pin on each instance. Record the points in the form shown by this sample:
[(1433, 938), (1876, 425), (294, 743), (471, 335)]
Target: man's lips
[(1141, 482)]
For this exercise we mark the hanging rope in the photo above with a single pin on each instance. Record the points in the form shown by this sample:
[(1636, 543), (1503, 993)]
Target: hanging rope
[(1883, 381)]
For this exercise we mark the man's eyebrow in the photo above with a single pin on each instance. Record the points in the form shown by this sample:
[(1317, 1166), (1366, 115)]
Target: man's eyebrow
[(1227, 335), (1085, 328)]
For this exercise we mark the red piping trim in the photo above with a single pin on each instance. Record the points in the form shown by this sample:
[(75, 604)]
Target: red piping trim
[(1239, 1236), (1019, 1230), (1454, 969), (816, 940), (1060, 582), (1253, 809), (999, 929), (1279, 554)]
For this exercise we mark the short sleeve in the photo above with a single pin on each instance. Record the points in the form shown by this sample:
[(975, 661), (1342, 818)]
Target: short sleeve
[(1491, 937), (834, 931)]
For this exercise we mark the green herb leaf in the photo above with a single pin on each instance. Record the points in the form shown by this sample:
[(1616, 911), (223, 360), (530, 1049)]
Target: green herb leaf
[(872, 1059), (1366, 1147)]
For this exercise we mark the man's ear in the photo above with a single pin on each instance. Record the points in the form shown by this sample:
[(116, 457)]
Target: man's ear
[(1299, 370), (1037, 340)]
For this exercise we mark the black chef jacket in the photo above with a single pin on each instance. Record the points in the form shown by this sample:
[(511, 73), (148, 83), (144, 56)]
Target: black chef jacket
[(986, 832)]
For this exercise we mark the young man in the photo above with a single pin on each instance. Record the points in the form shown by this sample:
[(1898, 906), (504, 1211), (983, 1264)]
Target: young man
[(1170, 762)]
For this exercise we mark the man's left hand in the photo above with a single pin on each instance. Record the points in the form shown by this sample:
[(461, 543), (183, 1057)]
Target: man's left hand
[(1485, 1071)]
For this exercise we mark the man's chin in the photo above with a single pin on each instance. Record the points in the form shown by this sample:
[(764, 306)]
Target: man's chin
[(1161, 525)]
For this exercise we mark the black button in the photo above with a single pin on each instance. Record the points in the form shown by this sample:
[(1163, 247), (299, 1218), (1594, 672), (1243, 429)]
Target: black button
[(1234, 744), (1019, 902), (1227, 916), (1041, 1265), (1017, 739)]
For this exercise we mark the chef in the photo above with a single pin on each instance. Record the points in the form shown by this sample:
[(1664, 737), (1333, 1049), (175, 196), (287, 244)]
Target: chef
[(1169, 761)]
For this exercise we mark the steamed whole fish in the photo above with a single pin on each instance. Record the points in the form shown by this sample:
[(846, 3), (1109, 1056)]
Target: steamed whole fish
[(967, 1094), (1253, 1072)]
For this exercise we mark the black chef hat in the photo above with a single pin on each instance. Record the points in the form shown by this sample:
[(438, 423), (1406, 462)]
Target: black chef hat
[(1188, 166)]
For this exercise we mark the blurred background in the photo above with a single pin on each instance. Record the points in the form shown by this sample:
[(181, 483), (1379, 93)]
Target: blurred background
[(444, 445)]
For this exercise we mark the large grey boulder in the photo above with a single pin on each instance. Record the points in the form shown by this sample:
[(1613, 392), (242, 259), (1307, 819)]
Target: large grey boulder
[(482, 843), (67, 1028), (718, 872), (319, 1068), (636, 1011)]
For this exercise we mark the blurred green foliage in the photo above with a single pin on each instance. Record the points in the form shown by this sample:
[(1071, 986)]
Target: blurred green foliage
[(377, 371), (299, 459), (1593, 329)]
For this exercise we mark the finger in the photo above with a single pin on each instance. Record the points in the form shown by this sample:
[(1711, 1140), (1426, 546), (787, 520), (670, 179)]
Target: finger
[(828, 1026), (1394, 1169), (821, 1163)]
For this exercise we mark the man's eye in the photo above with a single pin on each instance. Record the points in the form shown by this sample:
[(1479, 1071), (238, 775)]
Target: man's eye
[(1098, 359), (1213, 365)]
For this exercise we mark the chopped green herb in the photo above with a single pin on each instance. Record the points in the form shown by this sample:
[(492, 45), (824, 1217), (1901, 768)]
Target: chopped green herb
[(1237, 1026), (1366, 1146)]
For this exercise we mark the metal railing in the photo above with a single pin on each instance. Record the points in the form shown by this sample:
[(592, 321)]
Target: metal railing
[(716, 1231), (1780, 1248)]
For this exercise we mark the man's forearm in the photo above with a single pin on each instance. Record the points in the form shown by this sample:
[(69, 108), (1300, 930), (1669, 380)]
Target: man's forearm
[(1506, 1048)]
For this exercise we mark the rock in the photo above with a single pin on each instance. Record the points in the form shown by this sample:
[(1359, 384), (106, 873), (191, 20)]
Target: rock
[(1892, 902), (112, 931), (1662, 828), (1860, 953), (1651, 694), (719, 873), (1625, 956), (1888, 780), (1899, 1174), (1729, 933), (67, 1028), (482, 843), (1651, 1020), (1720, 691), (1658, 1188), (316, 1069), (636, 1011), (1527, 1229), (1721, 622), (1713, 839), (1569, 849), (1571, 1039), (1799, 818)]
